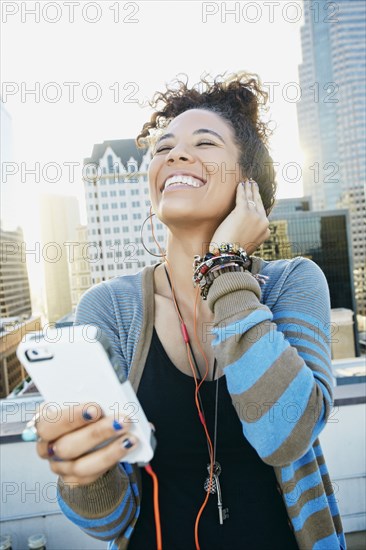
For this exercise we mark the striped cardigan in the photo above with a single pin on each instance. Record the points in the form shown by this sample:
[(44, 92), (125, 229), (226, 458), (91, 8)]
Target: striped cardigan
[(273, 342)]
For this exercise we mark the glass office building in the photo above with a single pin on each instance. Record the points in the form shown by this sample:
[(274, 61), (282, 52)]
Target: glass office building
[(324, 238), (331, 112)]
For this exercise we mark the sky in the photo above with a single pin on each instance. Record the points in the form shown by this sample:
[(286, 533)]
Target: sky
[(91, 64)]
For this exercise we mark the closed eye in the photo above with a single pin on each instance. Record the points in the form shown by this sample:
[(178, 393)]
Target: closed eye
[(165, 148), (168, 147)]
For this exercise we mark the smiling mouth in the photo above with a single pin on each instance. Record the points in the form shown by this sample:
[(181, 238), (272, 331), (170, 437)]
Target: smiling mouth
[(182, 182)]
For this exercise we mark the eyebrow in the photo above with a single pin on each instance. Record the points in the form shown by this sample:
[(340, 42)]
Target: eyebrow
[(200, 131)]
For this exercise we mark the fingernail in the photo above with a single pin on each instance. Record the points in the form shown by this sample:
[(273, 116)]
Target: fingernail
[(50, 450), (117, 425), (86, 415), (127, 443)]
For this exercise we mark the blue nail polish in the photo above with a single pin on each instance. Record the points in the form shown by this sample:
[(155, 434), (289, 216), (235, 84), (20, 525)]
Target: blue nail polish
[(117, 426), (87, 416), (50, 450), (127, 444)]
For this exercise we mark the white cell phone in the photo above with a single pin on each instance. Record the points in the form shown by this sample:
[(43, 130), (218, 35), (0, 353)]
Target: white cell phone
[(73, 365)]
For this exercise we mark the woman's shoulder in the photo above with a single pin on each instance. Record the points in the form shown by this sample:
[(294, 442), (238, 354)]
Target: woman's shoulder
[(279, 268), (294, 275), (122, 288)]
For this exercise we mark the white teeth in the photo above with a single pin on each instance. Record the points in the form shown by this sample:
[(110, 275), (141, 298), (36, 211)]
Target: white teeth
[(188, 180)]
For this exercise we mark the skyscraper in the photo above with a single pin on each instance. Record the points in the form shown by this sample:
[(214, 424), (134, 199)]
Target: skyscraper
[(79, 267), (59, 220), (15, 300), (331, 111), (117, 201), (331, 116)]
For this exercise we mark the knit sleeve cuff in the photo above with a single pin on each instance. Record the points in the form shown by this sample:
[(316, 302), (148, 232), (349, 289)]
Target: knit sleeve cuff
[(233, 293), (98, 498)]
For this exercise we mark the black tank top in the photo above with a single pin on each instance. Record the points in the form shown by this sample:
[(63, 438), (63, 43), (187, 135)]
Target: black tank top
[(257, 515)]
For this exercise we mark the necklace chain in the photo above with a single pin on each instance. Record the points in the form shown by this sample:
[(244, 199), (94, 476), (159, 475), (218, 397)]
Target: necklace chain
[(214, 485)]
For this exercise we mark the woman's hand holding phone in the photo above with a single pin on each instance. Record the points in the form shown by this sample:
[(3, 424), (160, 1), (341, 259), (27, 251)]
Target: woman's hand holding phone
[(83, 444), (247, 224)]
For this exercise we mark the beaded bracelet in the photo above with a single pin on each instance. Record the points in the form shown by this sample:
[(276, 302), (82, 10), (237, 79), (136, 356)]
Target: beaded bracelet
[(228, 257), (206, 266), (223, 250)]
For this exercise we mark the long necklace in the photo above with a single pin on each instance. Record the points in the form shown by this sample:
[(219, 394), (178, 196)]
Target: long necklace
[(212, 486)]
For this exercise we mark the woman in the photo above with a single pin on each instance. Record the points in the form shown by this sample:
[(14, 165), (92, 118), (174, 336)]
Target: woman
[(258, 340)]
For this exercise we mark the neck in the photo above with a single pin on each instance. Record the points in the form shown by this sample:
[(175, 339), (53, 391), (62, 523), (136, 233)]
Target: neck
[(180, 254)]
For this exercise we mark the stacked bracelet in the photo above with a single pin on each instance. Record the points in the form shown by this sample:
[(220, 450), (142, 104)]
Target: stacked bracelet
[(227, 258), (213, 274)]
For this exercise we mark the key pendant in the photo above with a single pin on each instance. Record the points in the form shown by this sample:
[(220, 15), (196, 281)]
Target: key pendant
[(219, 501), (216, 488)]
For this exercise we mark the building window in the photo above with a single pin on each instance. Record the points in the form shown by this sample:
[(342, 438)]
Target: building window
[(123, 204), (110, 164), (136, 204), (136, 216), (124, 216), (116, 230), (105, 206), (106, 218), (115, 217), (125, 229)]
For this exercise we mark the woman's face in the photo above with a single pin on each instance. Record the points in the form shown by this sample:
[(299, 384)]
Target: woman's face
[(195, 169)]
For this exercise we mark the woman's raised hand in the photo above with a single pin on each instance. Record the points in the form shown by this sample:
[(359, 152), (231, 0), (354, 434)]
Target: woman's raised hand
[(66, 442), (247, 224)]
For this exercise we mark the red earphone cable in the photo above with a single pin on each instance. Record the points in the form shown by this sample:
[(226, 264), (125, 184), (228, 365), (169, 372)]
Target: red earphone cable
[(151, 472)]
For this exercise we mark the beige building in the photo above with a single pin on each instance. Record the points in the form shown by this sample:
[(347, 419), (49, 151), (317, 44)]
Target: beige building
[(12, 331), (342, 334), (14, 286), (278, 245), (59, 220), (354, 201), (79, 265)]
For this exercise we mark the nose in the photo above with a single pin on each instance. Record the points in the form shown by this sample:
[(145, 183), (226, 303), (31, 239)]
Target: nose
[(179, 153)]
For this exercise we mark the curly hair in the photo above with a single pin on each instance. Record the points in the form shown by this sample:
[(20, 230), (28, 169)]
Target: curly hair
[(240, 100)]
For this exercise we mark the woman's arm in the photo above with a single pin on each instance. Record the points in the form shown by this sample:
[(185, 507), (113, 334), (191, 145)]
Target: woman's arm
[(108, 507), (277, 363)]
